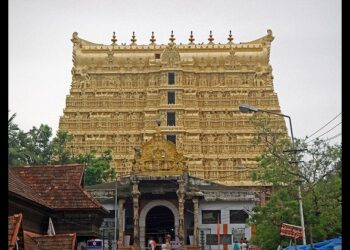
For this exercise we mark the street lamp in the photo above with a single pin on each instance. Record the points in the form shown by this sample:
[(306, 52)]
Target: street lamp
[(116, 210), (246, 108)]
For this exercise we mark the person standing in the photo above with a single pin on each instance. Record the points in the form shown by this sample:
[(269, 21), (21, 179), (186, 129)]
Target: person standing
[(244, 246), (236, 245), (246, 241), (163, 246), (152, 244), (167, 242)]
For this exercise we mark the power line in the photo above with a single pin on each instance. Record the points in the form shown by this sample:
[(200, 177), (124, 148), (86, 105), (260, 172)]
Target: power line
[(323, 126), (325, 132), (337, 135)]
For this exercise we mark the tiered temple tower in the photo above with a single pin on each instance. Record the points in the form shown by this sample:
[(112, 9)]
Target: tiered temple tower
[(118, 91)]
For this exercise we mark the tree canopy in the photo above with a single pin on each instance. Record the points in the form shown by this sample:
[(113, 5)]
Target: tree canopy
[(36, 147), (99, 169), (317, 167)]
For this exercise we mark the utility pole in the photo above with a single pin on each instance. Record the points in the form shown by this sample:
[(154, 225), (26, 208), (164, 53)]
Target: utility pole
[(246, 108)]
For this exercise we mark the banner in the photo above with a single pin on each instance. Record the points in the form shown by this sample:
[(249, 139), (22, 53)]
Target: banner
[(291, 231)]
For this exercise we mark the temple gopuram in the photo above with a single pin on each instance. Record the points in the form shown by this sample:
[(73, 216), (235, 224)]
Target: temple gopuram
[(182, 150)]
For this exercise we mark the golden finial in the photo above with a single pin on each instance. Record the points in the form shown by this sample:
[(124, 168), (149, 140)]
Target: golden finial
[(211, 39), (191, 39), (172, 39), (230, 38), (133, 39), (152, 38), (114, 39)]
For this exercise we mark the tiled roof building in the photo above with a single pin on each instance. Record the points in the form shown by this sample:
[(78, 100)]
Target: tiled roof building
[(52, 242), (56, 192), (56, 186), (15, 232), (26, 240)]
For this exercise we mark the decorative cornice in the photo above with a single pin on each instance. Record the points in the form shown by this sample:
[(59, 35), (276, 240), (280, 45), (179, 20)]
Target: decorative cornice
[(225, 195)]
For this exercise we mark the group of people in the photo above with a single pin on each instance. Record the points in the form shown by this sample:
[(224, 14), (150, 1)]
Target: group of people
[(243, 244), (165, 246)]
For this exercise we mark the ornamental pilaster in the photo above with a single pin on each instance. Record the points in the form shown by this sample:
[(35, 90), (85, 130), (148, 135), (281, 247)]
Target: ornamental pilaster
[(135, 198), (121, 221), (195, 219), (181, 200)]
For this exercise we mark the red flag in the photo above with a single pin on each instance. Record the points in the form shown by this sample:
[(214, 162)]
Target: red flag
[(218, 230)]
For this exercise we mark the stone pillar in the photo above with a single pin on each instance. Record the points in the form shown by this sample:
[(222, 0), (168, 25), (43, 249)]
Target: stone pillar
[(195, 220), (135, 197), (121, 218), (181, 199)]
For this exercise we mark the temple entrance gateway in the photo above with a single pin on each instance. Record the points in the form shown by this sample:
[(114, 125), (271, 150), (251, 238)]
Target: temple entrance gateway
[(159, 223), (158, 210)]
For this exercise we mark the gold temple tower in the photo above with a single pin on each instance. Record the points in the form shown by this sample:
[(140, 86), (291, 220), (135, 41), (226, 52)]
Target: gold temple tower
[(118, 91)]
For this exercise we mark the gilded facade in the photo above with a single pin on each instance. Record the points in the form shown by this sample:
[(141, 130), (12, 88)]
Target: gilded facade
[(118, 91)]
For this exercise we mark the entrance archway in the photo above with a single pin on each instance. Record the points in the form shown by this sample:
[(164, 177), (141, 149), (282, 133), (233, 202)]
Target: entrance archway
[(159, 223), (159, 209)]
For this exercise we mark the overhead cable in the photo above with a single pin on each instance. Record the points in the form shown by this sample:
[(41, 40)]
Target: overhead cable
[(325, 132), (323, 126)]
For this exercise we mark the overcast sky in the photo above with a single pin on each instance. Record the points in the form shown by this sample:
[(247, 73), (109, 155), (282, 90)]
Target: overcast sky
[(305, 55)]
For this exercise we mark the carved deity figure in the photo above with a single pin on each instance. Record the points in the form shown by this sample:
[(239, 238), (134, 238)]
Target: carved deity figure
[(215, 81), (128, 82), (214, 164)]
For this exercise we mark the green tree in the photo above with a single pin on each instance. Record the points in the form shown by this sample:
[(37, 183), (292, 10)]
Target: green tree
[(280, 167), (12, 127), (34, 147), (61, 153), (322, 190), (16, 142), (30, 148), (98, 170), (38, 145)]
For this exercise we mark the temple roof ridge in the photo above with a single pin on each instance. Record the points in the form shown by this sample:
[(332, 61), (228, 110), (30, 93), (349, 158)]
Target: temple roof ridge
[(75, 39), (201, 45), (262, 40)]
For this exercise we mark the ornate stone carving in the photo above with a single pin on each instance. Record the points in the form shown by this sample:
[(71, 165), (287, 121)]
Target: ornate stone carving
[(110, 57), (195, 220), (119, 90), (170, 56), (181, 200), (75, 39), (135, 197), (159, 157), (232, 61)]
